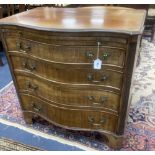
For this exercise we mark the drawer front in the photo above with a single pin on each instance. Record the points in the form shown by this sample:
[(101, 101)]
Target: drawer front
[(75, 118), (77, 97), (69, 73), (69, 38), (68, 54)]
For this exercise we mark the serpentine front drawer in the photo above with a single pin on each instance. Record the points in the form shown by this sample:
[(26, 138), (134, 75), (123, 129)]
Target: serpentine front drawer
[(86, 97), (73, 74), (73, 66), (68, 53), (84, 119)]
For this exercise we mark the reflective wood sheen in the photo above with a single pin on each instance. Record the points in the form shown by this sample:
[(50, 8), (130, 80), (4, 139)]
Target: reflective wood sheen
[(51, 53), (68, 74), (69, 96), (109, 19), (67, 54), (70, 117)]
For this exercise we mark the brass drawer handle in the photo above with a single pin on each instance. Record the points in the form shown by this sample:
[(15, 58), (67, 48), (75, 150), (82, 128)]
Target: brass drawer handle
[(36, 107), (105, 56), (32, 67), (24, 64), (28, 66), (90, 78), (103, 120), (97, 126), (89, 54), (23, 48), (103, 99), (27, 47), (91, 121), (91, 98), (19, 46), (30, 86), (104, 77)]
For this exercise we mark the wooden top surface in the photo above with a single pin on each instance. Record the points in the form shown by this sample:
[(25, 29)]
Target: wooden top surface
[(106, 19)]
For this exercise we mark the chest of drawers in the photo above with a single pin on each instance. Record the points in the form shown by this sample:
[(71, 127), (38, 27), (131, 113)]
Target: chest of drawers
[(51, 53)]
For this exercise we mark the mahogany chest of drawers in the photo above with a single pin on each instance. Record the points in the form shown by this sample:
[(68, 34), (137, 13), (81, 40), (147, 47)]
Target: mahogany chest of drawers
[(51, 54)]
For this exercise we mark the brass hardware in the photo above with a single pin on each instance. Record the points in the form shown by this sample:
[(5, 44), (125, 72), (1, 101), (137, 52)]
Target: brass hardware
[(91, 119), (18, 45), (91, 98), (105, 56), (27, 47), (36, 108), (24, 64), (89, 54), (90, 77), (23, 48), (103, 99), (104, 77), (98, 125), (96, 104), (30, 67), (103, 120), (30, 86)]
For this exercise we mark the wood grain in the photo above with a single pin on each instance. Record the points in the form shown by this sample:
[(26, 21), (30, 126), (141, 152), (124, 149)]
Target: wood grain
[(70, 117), (76, 97), (111, 19), (67, 53), (51, 65), (68, 74)]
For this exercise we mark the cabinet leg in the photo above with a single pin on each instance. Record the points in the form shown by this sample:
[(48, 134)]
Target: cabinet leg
[(28, 118), (113, 141)]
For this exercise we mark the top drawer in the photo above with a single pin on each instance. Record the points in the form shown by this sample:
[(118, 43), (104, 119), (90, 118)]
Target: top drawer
[(66, 53), (70, 38)]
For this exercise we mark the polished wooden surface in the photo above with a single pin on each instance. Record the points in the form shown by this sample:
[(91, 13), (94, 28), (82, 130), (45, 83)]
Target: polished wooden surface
[(111, 19), (87, 119), (69, 73), (69, 96), (16, 35), (54, 76), (68, 54)]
